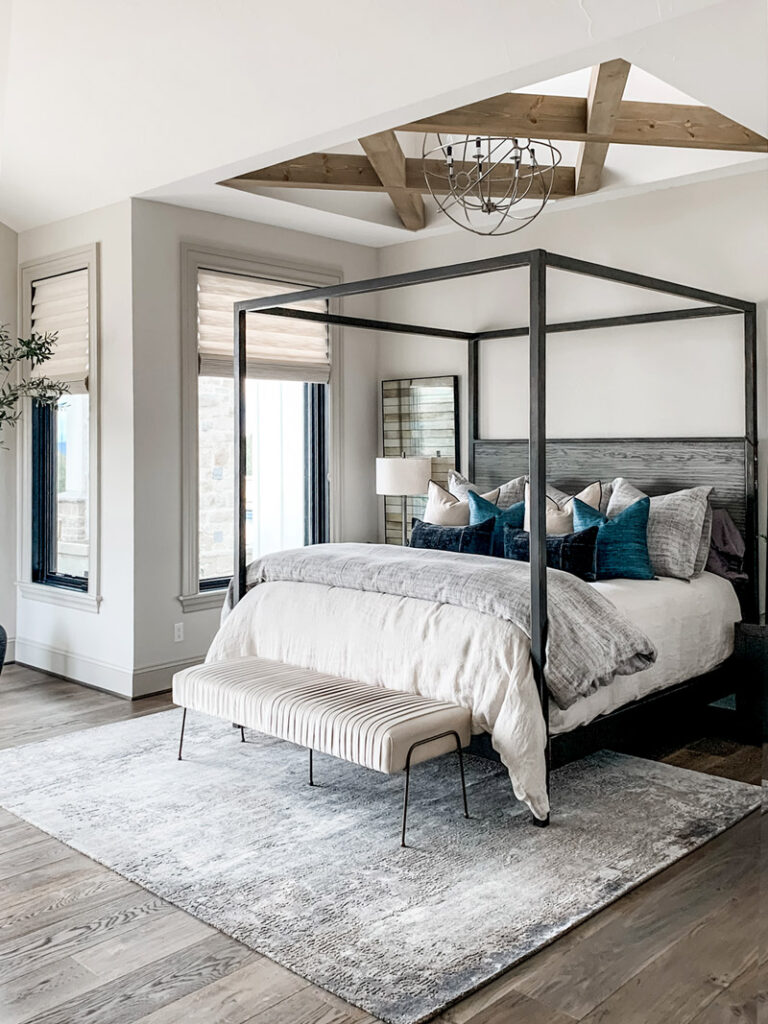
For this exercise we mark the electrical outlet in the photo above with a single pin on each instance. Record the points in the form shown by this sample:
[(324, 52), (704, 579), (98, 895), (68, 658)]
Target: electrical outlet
[(178, 632)]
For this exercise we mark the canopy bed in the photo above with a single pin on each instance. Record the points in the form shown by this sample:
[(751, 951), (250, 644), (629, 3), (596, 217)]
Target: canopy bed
[(553, 605)]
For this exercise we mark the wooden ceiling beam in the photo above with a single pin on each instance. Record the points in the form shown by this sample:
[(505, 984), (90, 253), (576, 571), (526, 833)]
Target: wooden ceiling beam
[(340, 171), (685, 126), (388, 161), (354, 173), (606, 88)]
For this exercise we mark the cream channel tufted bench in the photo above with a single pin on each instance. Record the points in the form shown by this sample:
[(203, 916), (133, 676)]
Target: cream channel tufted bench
[(386, 730)]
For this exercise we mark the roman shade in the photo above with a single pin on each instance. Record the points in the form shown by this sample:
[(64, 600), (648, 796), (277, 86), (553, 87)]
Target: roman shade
[(276, 347), (60, 304)]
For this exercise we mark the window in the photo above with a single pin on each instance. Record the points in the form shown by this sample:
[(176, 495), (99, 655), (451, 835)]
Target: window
[(288, 369), (61, 494)]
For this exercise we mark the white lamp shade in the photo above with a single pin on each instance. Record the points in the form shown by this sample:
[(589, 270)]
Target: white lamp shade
[(403, 476)]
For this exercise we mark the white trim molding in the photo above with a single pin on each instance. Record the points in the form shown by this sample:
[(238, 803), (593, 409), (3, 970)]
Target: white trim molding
[(158, 678), (96, 674), (195, 256), (61, 596), (203, 601), (83, 258), (100, 675)]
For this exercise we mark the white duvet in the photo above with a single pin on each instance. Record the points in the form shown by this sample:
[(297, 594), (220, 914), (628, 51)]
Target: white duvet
[(475, 660), (438, 650)]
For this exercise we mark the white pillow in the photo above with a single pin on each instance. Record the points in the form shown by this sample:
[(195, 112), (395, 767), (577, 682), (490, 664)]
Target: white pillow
[(444, 509), (560, 506)]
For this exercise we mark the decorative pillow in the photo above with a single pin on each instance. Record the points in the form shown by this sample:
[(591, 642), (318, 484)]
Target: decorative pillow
[(480, 509), (705, 543), (675, 526), (560, 506), (471, 540), (621, 551), (443, 509), (509, 493), (570, 552), (607, 486)]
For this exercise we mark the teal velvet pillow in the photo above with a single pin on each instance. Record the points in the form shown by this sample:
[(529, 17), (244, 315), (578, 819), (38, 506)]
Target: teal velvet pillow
[(621, 551), (480, 509)]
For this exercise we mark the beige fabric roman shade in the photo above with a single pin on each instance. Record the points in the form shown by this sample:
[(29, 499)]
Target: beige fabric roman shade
[(276, 347), (60, 304)]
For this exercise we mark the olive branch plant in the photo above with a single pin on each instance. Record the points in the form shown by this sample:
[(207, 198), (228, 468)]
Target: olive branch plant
[(17, 359)]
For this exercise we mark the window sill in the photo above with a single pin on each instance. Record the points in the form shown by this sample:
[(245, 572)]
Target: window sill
[(206, 600), (61, 596)]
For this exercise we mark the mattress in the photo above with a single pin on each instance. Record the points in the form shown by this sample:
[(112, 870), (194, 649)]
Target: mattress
[(691, 624)]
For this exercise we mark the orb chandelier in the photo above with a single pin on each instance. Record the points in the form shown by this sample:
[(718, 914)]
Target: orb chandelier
[(479, 181)]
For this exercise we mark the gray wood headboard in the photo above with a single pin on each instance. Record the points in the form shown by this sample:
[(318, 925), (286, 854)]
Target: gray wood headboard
[(655, 465)]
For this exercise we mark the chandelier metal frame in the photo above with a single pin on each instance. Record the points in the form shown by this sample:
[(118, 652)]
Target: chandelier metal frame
[(489, 175)]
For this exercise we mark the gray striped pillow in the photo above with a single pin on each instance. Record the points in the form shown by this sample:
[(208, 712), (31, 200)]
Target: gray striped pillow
[(675, 526)]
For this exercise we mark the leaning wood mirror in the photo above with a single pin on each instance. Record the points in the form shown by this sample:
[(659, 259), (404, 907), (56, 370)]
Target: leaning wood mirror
[(420, 416)]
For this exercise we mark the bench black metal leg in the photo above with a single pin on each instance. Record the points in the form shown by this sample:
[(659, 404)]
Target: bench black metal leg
[(181, 738), (461, 770), (311, 779), (419, 743), (242, 733), (405, 799)]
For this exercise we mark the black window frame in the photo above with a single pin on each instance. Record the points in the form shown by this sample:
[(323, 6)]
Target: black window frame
[(316, 489), (44, 454)]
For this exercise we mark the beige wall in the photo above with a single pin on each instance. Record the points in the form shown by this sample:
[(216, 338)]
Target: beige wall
[(158, 232), (97, 648), (662, 379), (128, 646), (8, 254)]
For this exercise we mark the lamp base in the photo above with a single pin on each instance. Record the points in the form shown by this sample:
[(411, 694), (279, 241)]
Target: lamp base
[(404, 500)]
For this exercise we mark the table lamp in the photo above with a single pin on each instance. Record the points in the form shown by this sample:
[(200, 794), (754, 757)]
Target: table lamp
[(403, 478)]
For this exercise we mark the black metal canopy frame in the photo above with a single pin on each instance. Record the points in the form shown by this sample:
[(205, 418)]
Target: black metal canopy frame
[(538, 262)]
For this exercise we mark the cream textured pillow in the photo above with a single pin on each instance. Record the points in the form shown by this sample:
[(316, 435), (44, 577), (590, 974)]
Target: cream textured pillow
[(560, 506), (509, 493), (444, 509)]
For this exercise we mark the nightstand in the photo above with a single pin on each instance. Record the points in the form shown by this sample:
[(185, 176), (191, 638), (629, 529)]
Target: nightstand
[(750, 658)]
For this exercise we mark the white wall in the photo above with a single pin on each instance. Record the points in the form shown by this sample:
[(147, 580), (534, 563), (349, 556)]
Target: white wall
[(8, 247), (158, 231), (96, 648), (665, 379)]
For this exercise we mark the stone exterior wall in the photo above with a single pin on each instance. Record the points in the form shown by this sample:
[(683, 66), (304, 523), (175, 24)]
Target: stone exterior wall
[(216, 412)]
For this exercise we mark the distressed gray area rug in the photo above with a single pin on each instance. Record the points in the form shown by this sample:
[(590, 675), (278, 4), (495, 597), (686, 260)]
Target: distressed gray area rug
[(316, 879)]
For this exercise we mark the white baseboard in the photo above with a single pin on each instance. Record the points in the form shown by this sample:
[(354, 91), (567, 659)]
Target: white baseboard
[(100, 675), (157, 678)]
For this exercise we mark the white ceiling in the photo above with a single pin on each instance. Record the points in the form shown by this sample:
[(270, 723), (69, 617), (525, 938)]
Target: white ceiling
[(105, 99)]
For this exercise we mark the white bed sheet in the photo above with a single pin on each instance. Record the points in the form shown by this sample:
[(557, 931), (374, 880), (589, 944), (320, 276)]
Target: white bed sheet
[(691, 625)]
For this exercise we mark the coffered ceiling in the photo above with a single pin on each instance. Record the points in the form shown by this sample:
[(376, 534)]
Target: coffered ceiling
[(104, 101)]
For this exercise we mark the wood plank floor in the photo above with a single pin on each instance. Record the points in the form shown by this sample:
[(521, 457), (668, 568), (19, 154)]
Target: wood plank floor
[(79, 944)]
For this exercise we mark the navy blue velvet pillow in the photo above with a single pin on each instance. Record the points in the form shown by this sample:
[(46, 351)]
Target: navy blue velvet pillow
[(470, 540), (480, 510), (622, 542), (570, 552)]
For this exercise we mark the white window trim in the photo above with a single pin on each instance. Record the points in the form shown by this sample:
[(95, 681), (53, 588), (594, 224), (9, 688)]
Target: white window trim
[(193, 257), (84, 257)]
